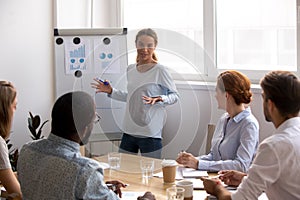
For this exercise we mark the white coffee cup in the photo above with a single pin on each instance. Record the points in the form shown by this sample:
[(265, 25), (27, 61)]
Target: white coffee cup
[(188, 188)]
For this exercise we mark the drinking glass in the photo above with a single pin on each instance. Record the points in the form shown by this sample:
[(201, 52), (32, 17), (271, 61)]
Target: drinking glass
[(147, 167), (114, 159), (175, 193)]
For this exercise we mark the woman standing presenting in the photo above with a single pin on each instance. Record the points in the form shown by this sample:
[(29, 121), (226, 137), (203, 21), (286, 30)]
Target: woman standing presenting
[(150, 87), (236, 134), (8, 105)]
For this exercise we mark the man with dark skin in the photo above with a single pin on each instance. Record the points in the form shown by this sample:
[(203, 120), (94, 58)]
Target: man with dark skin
[(53, 168)]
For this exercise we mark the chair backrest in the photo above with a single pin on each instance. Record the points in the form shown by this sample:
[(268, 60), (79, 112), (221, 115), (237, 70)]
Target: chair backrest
[(5, 195), (82, 150), (210, 133)]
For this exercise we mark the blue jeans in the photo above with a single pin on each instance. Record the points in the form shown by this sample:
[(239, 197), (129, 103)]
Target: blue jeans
[(150, 147)]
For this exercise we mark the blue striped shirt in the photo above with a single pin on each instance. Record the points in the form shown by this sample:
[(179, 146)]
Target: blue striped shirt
[(234, 143)]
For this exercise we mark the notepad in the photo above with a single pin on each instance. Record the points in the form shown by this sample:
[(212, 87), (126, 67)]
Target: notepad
[(129, 195), (183, 172), (193, 173), (197, 183)]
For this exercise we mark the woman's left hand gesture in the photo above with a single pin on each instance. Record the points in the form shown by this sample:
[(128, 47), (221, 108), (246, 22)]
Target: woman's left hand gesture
[(151, 100)]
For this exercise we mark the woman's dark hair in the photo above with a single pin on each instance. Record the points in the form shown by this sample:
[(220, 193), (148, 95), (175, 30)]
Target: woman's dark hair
[(71, 113), (283, 88), (236, 84)]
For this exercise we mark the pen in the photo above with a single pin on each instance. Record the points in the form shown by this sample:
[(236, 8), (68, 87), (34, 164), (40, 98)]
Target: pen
[(104, 82), (216, 176)]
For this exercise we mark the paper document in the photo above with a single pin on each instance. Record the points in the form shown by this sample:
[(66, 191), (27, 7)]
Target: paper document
[(193, 173), (183, 172), (197, 183), (126, 195)]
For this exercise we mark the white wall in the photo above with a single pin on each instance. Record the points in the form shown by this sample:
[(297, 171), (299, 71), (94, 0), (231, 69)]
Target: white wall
[(26, 57), (27, 60)]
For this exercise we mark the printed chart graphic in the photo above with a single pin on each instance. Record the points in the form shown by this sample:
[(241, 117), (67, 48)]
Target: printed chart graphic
[(76, 57), (107, 55), (81, 56)]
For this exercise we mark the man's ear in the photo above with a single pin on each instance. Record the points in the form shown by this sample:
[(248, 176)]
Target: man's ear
[(271, 105), (226, 95)]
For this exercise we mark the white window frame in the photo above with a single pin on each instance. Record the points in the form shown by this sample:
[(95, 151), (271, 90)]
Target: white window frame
[(94, 19), (176, 76), (211, 47), (211, 71)]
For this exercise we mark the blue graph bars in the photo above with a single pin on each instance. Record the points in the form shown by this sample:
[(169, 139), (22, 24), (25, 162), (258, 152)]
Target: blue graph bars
[(80, 52), (77, 59)]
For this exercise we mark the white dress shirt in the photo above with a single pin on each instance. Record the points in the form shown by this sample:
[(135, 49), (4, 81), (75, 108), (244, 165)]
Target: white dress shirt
[(276, 167)]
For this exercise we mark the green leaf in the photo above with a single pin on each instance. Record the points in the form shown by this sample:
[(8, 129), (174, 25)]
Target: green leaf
[(36, 121), (29, 121), (31, 115), (39, 134), (32, 130), (9, 146)]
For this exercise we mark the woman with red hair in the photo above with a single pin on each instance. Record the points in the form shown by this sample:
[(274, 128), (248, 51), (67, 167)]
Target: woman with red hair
[(236, 135)]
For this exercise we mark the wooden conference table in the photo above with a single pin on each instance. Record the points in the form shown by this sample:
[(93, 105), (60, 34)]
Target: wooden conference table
[(130, 173)]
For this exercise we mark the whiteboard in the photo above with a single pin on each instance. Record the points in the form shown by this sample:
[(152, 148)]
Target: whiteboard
[(84, 54)]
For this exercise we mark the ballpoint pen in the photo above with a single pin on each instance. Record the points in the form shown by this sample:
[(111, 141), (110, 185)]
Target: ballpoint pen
[(104, 82)]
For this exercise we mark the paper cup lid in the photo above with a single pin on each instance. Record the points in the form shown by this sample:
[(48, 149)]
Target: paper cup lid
[(168, 162)]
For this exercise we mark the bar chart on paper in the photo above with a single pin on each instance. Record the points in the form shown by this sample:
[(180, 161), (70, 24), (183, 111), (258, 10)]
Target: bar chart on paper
[(83, 55), (76, 58), (79, 52)]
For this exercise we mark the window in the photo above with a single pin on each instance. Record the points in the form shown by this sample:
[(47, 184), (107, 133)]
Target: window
[(200, 38), (72, 14), (86, 13), (179, 27), (252, 36), (256, 35)]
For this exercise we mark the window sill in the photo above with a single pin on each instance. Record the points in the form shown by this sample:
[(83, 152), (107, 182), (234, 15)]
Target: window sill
[(209, 86)]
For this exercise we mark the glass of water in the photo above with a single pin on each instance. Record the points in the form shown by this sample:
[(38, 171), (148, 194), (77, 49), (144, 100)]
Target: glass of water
[(147, 167), (175, 193), (114, 160)]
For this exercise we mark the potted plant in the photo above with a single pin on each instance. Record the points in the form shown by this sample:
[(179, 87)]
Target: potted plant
[(13, 155), (34, 126), (36, 133)]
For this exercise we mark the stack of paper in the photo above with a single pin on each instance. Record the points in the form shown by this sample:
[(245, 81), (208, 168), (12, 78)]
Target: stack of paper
[(183, 172), (193, 173)]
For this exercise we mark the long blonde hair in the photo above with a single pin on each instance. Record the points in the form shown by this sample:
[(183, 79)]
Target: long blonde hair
[(8, 94), (149, 32)]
